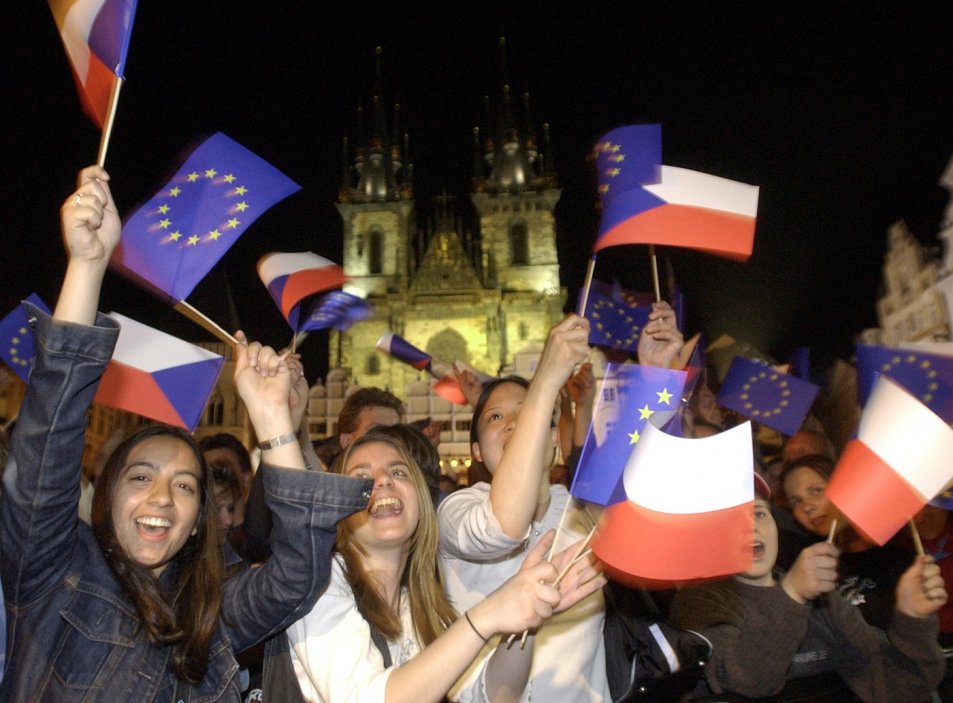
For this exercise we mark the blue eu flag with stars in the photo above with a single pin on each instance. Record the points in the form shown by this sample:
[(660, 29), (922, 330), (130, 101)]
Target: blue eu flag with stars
[(16, 339)]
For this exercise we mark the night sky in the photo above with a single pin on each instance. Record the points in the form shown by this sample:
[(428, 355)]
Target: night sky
[(841, 111)]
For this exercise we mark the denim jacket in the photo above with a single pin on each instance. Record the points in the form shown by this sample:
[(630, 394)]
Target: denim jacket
[(72, 634)]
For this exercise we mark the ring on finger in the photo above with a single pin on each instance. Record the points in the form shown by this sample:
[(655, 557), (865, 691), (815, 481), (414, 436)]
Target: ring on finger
[(77, 199)]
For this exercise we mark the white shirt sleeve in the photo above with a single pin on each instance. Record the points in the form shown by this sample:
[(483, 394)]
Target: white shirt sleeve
[(470, 530), (334, 657)]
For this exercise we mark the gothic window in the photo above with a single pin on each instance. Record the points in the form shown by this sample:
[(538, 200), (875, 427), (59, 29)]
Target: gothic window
[(519, 244), (373, 365), (376, 245)]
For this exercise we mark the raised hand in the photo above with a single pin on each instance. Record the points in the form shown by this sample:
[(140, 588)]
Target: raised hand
[(583, 577), (814, 572), (566, 348), (90, 222), (91, 229), (582, 385), (469, 383), (524, 600), (298, 395), (660, 341), (264, 380), (921, 591)]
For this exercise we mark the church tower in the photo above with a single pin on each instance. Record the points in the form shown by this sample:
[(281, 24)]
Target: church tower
[(376, 204), (515, 195), (486, 298)]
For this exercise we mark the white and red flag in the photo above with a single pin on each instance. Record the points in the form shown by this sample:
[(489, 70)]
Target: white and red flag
[(688, 511), (902, 458)]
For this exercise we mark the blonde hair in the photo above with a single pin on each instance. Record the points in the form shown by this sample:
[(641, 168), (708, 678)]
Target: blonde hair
[(430, 608)]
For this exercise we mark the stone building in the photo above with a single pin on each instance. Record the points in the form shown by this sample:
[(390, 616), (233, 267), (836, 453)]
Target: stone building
[(485, 294), (917, 305)]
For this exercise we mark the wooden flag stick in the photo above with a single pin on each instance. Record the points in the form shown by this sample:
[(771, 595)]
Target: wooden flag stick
[(575, 557), (830, 535), (655, 282), (580, 553), (197, 317), (559, 528), (917, 542), (584, 298), (110, 118)]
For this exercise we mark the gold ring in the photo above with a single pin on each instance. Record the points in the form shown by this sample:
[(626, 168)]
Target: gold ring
[(76, 199)]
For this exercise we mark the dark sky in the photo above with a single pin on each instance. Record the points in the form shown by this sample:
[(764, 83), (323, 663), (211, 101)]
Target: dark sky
[(841, 111)]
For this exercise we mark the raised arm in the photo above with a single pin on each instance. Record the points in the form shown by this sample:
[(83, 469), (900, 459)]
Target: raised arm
[(39, 532), (518, 487), (305, 505), (91, 230), (660, 340)]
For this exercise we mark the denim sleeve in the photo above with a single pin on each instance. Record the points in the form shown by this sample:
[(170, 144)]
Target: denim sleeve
[(38, 509), (306, 507)]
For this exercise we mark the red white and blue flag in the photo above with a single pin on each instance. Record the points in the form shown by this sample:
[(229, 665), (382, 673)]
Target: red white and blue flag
[(158, 376), (685, 209), (96, 36), (292, 277), (402, 350)]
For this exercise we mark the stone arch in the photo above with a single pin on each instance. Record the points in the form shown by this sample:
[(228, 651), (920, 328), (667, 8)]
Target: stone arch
[(448, 346)]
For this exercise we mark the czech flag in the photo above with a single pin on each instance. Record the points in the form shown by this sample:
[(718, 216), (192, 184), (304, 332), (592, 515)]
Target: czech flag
[(902, 458), (402, 350), (158, 376), (96, 36), (685, 209), (688, 511), (292, 277)]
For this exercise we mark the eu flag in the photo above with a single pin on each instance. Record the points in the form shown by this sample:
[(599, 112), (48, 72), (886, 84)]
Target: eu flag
[(928, 377), (764, 394), (627, 158), (16, 339), (629, 396), (336, 309), (616, 316), (170, 243)]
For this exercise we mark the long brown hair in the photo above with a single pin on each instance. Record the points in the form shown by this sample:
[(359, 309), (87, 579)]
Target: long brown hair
[(429, 606), (186, 616)]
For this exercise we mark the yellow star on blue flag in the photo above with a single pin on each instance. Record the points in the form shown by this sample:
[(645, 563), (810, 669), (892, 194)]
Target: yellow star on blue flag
[(764, 394), (170, 243), (629, 398), (16, 339)]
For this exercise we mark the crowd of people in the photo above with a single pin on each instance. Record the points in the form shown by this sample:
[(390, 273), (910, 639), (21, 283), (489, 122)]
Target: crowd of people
[(352, 569)]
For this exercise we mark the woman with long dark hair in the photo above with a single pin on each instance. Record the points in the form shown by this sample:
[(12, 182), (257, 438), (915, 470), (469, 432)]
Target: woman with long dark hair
[(138, 610)]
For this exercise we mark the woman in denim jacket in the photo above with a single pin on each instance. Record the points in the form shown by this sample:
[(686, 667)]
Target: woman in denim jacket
[(137, 611)]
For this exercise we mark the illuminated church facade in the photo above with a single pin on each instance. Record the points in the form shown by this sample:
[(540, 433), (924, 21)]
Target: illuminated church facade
[(486, 297)]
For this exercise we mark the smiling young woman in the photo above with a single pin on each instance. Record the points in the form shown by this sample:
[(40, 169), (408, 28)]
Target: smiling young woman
[(137, 609), (385, 627)]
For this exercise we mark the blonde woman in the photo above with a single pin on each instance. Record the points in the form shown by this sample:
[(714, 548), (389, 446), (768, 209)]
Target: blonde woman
[(384, 630)]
